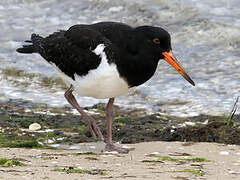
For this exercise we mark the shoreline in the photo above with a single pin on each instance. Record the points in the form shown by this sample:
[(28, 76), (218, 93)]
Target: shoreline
[(65, 126)]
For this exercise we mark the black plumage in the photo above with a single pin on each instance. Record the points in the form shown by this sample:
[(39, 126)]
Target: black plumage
[(71, 50)]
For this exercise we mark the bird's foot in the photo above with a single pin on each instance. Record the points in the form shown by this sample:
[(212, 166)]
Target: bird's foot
[(112, 147), (95, 130)]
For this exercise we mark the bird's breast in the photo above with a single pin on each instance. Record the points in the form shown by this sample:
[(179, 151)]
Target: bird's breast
[(102, 82)]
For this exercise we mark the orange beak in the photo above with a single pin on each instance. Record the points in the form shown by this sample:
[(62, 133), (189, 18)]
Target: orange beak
[(172, 60)]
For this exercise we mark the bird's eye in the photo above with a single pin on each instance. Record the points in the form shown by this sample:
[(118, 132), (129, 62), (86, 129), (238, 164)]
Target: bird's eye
[(156, 41)]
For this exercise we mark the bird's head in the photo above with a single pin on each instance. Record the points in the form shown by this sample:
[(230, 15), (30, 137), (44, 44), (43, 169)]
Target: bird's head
[(157, 41)]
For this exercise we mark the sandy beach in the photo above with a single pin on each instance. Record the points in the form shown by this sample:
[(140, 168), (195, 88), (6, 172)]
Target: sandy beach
[(152, 160)]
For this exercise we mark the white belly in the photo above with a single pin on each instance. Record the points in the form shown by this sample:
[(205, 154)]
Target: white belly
[(102, 82)]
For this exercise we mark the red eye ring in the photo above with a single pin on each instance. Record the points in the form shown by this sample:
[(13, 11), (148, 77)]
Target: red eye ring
[(156, 40)]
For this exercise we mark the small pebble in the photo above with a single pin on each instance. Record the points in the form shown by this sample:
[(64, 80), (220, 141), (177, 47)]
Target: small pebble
[(40, 143), (3, 99), (50, 141), (126, 147), (205, 122), (60, 139), (224, 153), (55, 145), (233, 172), (27, 110), (106, 155), (74, 147), (115, 9), (190, 123)]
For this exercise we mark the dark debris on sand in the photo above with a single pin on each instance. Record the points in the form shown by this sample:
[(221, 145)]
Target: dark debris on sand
[(129, 126)]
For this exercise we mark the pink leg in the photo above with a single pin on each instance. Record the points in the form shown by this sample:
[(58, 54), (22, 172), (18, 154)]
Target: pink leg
[(94, 129), (109, 117)]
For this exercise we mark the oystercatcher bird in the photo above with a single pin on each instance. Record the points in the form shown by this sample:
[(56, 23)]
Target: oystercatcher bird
[(104, 60)]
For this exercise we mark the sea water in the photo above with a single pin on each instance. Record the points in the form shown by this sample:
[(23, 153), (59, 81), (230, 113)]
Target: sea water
[(205, 39)]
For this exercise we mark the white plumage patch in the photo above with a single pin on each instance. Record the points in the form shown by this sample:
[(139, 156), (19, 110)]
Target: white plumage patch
[(102, 82)]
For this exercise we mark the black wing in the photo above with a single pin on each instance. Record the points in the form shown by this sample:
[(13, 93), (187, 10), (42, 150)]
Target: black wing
[(120, 34), (71, 50)]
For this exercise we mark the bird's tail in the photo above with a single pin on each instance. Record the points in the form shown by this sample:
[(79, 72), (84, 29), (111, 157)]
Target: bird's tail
[(31, 46)]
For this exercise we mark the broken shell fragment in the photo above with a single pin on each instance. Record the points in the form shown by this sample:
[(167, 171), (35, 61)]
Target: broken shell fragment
[(34, 127)]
